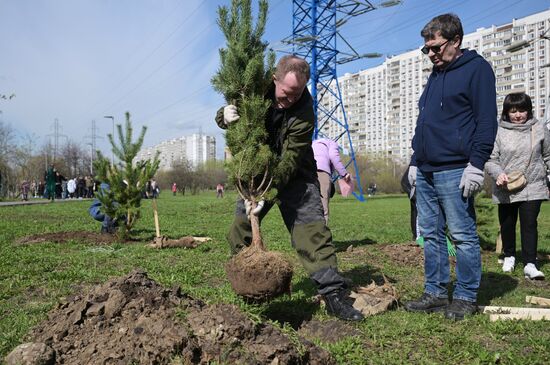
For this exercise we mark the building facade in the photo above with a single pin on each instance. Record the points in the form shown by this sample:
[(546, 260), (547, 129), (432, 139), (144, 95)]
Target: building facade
[(195, 149), (381, 102)]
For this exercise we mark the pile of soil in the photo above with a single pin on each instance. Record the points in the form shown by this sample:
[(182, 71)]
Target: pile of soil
[(64, 237), (133, 319), (409, 254)]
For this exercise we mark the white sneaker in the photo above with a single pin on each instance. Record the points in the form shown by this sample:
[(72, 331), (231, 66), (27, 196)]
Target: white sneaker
[(509, 264), (531, 272)]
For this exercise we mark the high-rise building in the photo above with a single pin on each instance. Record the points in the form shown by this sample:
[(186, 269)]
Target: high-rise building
[(381, 102), (196, 149)]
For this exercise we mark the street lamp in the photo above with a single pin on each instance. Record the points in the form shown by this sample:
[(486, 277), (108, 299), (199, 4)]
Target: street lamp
[(112, 151)]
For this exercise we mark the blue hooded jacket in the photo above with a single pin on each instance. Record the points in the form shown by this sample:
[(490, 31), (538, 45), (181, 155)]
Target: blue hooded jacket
[(457, 122)]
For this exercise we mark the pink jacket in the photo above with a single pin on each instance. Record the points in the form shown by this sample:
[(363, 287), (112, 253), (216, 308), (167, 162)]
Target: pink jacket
[(327, 156)]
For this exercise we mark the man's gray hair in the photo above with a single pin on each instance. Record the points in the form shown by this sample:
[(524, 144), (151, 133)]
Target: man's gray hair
[(448, 25), (291, 63)]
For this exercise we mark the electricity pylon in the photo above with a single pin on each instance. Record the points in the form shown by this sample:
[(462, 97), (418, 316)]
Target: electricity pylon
[(315, 25)]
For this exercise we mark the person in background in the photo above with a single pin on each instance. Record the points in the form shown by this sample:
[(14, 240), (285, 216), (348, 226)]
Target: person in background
[(289, 124), (58, 185), (108, 225), (49, 177), (327, 158), (454, 136), (522, 144), (71, 187), (174, 188), (25, 187), (411, 194), (219, 190), (154, 189)]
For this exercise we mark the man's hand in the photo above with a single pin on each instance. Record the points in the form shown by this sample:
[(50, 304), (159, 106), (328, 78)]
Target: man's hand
[(230, 114), (347, 177), (412, 175), (471, 181), (256, 211)]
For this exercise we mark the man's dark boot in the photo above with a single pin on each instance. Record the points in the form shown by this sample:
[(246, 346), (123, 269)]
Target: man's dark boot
[(337, 304), (460, 308), (427, 303)]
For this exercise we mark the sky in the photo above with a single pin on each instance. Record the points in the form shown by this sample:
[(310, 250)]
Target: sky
[(81, 60)]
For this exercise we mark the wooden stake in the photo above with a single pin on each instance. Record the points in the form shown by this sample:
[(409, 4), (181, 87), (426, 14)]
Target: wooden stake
[(156, 214), (514, 310), (499, 243), (530, 316), (537, 300)]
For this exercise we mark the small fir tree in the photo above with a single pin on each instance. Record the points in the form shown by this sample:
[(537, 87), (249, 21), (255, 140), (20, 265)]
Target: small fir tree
[(127, 179), (244, 79)]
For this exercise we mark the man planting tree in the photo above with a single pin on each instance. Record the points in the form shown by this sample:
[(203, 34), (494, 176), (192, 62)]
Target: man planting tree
[(289, 124)]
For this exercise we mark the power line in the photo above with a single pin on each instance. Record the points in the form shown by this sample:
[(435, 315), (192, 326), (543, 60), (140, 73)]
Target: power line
[(156, 70), (133, 71)]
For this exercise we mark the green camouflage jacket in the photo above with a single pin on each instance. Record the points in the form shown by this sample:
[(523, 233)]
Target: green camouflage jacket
[(290, 132)]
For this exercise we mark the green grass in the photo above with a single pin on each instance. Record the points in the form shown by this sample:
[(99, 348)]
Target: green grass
[(33, 278)]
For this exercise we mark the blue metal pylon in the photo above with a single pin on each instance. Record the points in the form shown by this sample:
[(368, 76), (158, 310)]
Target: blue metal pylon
[(314, 33)]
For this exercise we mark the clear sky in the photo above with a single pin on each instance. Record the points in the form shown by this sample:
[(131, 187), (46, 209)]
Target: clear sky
[(80, 60)]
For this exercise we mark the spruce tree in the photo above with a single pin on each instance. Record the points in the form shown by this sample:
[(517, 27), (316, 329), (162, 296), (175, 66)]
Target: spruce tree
[(244, 78), (127, 178)]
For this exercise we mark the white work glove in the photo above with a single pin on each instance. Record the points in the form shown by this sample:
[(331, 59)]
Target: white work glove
[(230, 114), (412, 175), (256, 211), (471, 181)]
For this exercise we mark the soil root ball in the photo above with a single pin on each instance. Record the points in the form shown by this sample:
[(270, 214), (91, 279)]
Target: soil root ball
[(259, 275)]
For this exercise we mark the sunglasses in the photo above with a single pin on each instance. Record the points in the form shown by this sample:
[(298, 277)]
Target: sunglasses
[(434, 49)]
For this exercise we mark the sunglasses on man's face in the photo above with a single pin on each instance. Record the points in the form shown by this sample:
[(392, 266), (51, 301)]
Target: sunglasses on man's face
[(434, 49)]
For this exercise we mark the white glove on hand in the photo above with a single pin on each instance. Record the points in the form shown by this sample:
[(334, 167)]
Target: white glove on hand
[(256, 211), (230, 114), (471, 181), (412, 175)]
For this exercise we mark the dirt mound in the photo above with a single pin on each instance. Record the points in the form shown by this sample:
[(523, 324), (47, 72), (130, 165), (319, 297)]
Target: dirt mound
[(132, 319), (406, 254), (64, 237)]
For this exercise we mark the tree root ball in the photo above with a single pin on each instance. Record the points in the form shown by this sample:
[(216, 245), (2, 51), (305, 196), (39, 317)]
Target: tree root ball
[(259, 275)]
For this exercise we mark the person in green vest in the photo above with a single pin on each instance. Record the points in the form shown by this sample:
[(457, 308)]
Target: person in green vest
[(50, 182)]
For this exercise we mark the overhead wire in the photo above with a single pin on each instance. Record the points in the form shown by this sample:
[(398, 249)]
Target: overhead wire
[(135, 52), (152, 52)]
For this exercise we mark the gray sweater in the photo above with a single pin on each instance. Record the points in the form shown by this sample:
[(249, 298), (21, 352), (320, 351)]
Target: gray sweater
[(511, 153)]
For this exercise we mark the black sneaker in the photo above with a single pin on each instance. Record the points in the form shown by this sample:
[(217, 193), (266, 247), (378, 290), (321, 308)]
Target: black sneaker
[(460, 308), (427, 303), (337, 304)]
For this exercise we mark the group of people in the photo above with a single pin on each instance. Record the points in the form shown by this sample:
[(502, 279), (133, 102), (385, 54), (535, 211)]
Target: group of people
[(455, 140), (56, 186)]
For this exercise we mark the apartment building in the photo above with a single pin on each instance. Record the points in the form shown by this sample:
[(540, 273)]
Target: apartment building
[(381, 102), (196, 149)]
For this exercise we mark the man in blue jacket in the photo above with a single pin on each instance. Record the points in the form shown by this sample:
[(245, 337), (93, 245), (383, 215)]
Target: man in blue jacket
[(454, 137)]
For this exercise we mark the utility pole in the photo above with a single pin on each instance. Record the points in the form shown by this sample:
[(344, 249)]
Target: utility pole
[(315, 30), (56, 135), (112, 151), (93, 137)]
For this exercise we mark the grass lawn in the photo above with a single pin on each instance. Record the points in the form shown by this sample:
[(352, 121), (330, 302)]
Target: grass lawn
[(34, 277)]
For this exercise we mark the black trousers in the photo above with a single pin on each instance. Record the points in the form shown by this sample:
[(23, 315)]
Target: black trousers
[(528, 214)]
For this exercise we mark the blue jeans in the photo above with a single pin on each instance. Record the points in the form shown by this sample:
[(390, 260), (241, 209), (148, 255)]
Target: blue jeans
[(440, 203), (96, 214)]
